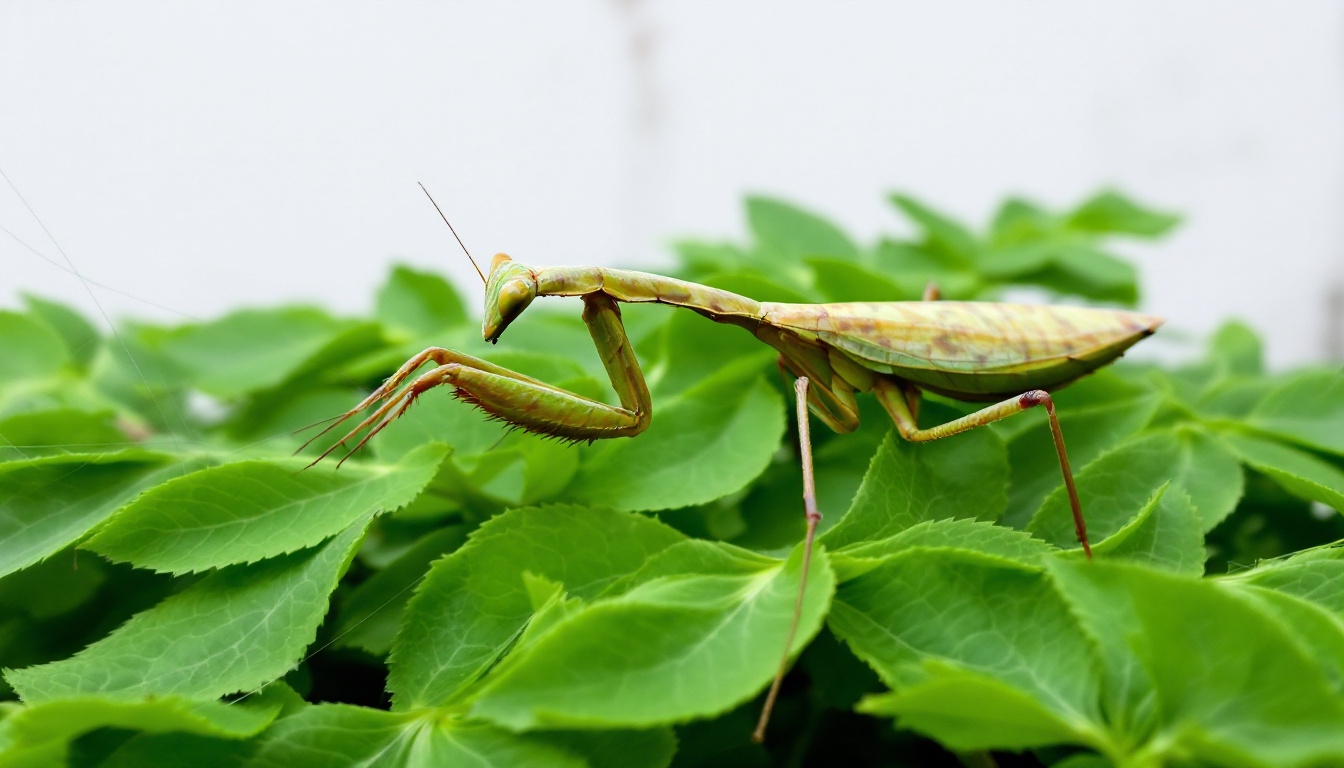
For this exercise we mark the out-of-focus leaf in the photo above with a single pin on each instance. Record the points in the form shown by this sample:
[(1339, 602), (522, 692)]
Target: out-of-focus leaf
[(62, 430), (1110, 212), (251, 349), (251, 510), (704, 258), (473, 603), (945, 235), (1020, 221), (247, 624), (81, 338), (1237, 350), (709, 441), (419, 302), (1082, 270), (794, 233), (909, 483), (839, 280), (29, 347)]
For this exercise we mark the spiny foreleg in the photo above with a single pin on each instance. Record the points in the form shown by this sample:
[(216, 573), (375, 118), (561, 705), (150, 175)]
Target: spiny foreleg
[(439, 355)]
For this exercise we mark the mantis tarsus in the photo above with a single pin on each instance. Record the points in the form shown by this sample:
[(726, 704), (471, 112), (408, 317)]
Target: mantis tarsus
[(969, 351)]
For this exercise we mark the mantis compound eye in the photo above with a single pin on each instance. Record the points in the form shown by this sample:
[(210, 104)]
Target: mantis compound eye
[(510, 299), (514, 296)]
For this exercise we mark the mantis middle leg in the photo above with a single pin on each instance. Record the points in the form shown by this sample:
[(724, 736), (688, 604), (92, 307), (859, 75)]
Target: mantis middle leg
[(813, 517), (895, 399), (521, 400)]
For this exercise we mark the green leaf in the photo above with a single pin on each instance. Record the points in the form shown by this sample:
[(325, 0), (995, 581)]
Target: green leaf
[(371, 615), (1166, 533), (251, 510), (1021, 221), (1237, 351), (419, 302), (1089, 431), (30, 348), (174, 750), (472, 603), (1318, 632), (703, 628), (1316, 575), (1307, 409), (909, 483), (945, 625), (47, 729), (794, 233), (247, 625), (695, 348), (1082, 270), (1297, 472), (1109, 212), (1112, 489), (707, 442), (339, 735), (963, 534), (968, 711), (946, 235), (62, 430), (251, 349), (1246, 697), (839, 280), (1210, 474), (81, 338), (52, 587), (48, 503)]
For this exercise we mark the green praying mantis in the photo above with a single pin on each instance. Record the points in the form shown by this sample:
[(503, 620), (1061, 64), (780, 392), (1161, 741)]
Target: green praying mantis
[(1008, 354)]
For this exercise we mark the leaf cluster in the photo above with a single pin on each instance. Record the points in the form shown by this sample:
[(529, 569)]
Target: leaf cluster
[(175, 591)]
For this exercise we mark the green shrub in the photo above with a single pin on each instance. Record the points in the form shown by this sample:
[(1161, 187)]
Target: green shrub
[(175, 591)]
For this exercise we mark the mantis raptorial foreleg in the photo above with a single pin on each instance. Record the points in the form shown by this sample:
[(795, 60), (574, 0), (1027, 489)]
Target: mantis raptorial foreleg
[(896, 400), (521, 400), (813, 517)]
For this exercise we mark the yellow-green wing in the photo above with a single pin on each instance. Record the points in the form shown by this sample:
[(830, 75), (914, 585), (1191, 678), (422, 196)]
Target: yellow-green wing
[(970, 350)]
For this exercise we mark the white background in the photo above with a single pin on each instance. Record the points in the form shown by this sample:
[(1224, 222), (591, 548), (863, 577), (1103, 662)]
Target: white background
[(209, 155)]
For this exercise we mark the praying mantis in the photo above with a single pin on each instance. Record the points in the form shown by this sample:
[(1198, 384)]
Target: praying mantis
[(1008, 354)]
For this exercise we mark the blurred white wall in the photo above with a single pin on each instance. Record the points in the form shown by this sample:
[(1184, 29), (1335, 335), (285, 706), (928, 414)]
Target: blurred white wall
[(207, 155)]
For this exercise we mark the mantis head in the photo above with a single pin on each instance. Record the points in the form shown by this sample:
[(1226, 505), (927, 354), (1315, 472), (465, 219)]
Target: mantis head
[(508, 291)]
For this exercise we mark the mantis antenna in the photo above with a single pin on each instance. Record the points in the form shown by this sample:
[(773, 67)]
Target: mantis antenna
[(454, 231)]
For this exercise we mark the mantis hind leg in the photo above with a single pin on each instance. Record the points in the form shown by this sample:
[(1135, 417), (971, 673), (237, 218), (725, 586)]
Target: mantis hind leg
[(896, 399), (813, 517)]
